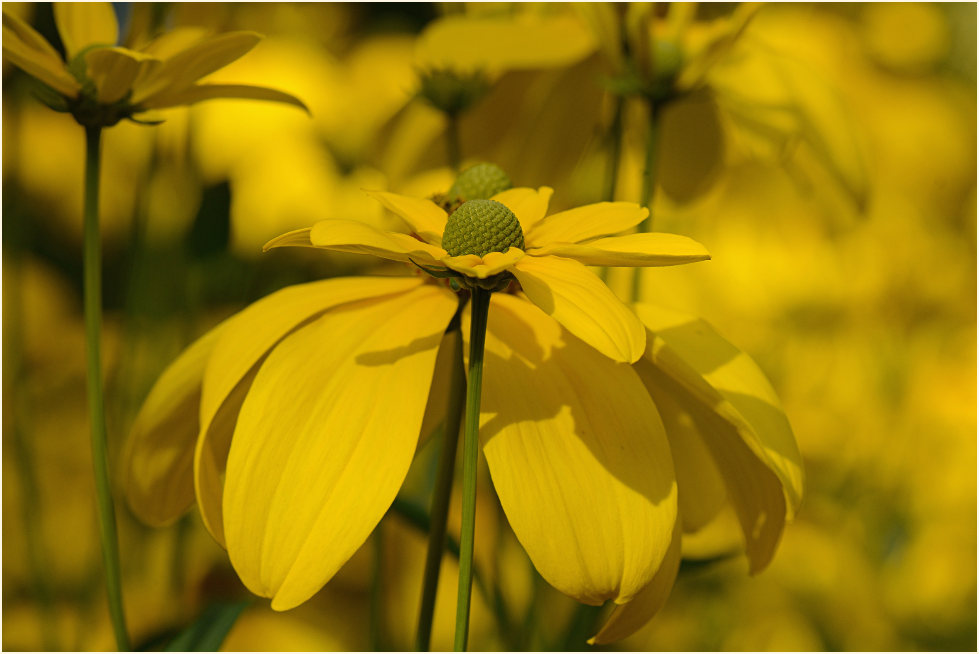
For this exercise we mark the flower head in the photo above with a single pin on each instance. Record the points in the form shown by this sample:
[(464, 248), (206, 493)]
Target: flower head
[(549, 264), (101, 83)]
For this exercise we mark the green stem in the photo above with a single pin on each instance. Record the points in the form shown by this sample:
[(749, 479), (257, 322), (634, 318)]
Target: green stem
[(376, 625), (470, 454), (440, 498), (615, 153), (648, 185), (96, 405), (452, 140)]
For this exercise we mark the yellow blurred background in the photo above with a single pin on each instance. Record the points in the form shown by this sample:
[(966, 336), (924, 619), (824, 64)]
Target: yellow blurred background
[(828, 163)]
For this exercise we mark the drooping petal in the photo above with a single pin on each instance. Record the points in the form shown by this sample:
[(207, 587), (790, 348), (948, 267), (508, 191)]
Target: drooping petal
[(579, 300), (159, 459), (29, 51), (449, 363), (325, 437), (113, 70), (527, 204), (199, 59), (199, 92), (245, 341), (423, 216), (485, 266), (701, 489), (739, 417), (82, 24), (577, 454), (360, 238), (656, 249), (587, 222), (628, 618)]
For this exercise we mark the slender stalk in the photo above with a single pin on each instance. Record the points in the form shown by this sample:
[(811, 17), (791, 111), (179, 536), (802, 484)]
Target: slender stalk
[(452, 140), (376, 606), (648, 185), (470, 453), (615, 149), (96, 405), (440, 498)]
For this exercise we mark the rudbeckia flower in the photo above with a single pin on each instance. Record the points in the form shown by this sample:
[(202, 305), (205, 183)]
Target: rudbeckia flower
[(296, 420), (101, 82)]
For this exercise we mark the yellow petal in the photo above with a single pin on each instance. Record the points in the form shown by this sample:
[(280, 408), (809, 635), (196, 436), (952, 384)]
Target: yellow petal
[(245, 341), (324, 440), (701, 489), (577, 454), (655, 249), (527, 204), (493, 263), (462, 42), (424, 217), (295, 238), (199, 92), (448, 363), (628, 618), (187, 66), (159, 459), (587, 222), (579, 300), (82, 24), (28, 50), (113, 70), (739, 417), (360, 238)]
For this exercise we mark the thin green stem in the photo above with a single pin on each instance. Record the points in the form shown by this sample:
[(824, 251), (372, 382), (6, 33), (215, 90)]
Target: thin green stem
[(452, 140), (96, 404), (648, 184), (377, 640), (615, 149), (470, 454), (440, 497)]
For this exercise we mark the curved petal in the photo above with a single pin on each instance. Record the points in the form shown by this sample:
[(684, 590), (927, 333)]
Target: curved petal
[(199, 92), (29, 51), (360, 238), (587, 222), (738, 416), (81, 24), (629, 618), (579, 300), (324, 440), (187, 66), (701, 488), (527, 204), (159, 458), (656, 249), (493, 263), (113, 70), (424, 217), (245, 341), (577, 454), (448, 370), (295, 238)]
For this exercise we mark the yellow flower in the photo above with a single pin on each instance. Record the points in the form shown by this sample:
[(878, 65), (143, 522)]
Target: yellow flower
[(303, 412), (101, 83)]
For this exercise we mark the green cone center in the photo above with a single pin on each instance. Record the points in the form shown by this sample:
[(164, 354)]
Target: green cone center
[(480, 182), (480, 227)]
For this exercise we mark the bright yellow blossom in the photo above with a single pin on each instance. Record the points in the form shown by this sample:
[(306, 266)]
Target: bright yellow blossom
[(297, 418), (102, 83)]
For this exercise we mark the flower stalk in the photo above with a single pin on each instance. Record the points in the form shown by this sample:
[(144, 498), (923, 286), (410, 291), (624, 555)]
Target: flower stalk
[(452, 138), (470, 452), (648, 184), (96, 404), (443, 491)]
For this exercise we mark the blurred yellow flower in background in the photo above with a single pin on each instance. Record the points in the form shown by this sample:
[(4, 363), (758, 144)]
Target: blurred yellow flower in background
[(104, 83)]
